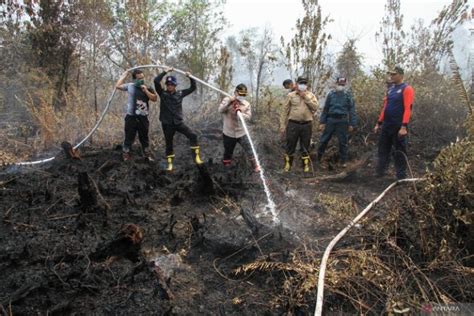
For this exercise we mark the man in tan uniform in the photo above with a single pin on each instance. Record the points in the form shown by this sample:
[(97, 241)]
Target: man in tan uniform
[(296, 121)]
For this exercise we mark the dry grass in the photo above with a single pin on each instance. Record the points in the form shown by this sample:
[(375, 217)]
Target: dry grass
[(44, 126), (414, 250)]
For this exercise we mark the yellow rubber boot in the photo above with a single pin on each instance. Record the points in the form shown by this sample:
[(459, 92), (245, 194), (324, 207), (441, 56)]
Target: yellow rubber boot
[(169, 159), (196, 156), (305, 164), (288, 163)]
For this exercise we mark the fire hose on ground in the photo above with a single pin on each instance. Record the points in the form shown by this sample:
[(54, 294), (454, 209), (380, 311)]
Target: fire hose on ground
[(322, 269)]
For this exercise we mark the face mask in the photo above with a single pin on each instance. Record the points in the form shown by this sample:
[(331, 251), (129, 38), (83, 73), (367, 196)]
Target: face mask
[(139, 83), (240, 98), (339, 88), (302, 87)]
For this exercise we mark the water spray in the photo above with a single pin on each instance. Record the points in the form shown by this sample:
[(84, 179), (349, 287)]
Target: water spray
[(271, 204)]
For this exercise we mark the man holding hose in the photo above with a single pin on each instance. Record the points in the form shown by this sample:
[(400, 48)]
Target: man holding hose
[(136, 118), (171, 115), (233, 131)]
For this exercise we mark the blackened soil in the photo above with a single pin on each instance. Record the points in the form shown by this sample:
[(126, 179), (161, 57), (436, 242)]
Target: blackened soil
[(59, 255)]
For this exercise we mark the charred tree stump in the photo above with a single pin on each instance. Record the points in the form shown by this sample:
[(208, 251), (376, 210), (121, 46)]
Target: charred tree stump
[(205, 183), (126, 244), (89, 195), (87, 191), (70, 152)]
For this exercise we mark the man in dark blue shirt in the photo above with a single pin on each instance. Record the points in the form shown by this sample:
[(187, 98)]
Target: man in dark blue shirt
[(338, 117), (171, 115), (393, 121)]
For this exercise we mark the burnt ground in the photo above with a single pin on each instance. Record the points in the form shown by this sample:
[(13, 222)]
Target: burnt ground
[(65, 250)]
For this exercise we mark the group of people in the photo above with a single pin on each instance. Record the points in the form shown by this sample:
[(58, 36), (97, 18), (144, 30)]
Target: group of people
[(171, 116), (337, 116)]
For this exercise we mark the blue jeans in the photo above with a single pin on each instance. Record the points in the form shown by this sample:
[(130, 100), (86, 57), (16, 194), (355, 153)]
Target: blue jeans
[(340, 128)]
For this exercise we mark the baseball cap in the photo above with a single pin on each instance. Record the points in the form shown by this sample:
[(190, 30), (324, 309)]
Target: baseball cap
[(301, 80), (171, 80), (396, 70), (241, 89), (341, 81)]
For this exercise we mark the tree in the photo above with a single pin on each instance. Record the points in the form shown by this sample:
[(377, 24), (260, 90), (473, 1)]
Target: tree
[(49, 45), (258, 53), (392, 36), (140, 32), (305, 53), (226, 69), (427, 46), (93, 32), (196, 27), (349, 61)]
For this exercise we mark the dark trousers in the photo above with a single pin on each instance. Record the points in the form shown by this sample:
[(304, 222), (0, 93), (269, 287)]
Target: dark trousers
[(340, 128), (170, 129), (136, 124), (301, 132), (231, 142), (390, 143)]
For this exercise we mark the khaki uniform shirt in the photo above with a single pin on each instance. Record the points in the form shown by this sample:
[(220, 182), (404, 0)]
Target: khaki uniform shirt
[(297, 108)]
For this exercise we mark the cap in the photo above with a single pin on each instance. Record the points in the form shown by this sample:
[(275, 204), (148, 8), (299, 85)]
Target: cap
[(301, 80), (341, 81), (171, 80), (241, 89), (396, 70)]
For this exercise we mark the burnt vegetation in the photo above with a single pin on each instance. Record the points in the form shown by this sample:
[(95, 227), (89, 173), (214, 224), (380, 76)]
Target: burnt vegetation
[(89, 233)]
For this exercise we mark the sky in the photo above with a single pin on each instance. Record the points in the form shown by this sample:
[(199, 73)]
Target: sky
[(352, 19)]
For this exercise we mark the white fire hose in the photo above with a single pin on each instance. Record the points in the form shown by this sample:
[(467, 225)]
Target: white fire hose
[(107, 107), (322, 269)]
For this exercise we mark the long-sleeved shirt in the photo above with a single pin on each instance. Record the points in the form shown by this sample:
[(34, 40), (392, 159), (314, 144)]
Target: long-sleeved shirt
[(232, 125), (171, 104), (339, 103), (298, 108), (397, 105)]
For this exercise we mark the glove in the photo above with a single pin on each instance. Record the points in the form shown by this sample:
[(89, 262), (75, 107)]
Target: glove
[(235, 107)]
